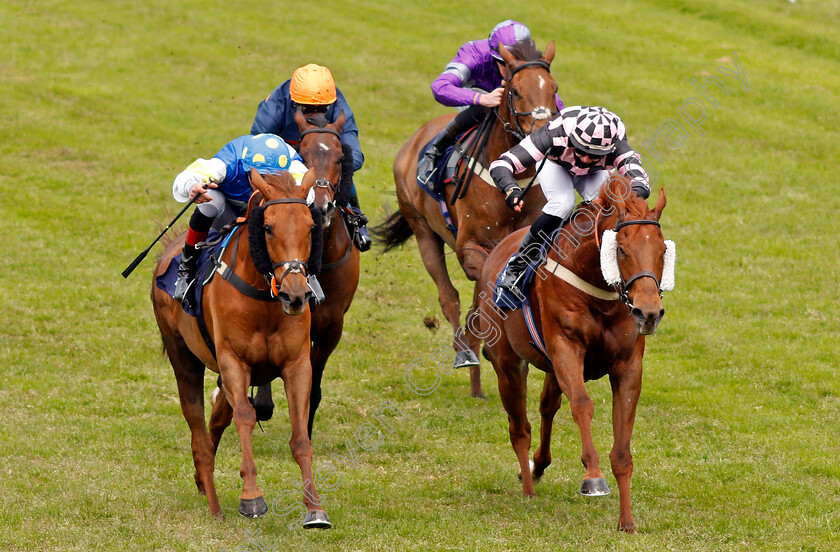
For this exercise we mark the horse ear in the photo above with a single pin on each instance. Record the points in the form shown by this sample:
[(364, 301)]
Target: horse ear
[(339, 121), (507, 56), (300, 120), (308, 180), (660, 204), (258, 182), (548, 56)]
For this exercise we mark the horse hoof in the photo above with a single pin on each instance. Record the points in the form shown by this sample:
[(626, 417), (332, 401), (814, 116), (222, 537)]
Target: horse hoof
[(253, 507), (464, 359), (316, 519), (594, 487)]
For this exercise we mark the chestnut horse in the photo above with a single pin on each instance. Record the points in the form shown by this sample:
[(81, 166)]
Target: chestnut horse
[(587, 331), (332, 166), (481, 216), (253, 340)]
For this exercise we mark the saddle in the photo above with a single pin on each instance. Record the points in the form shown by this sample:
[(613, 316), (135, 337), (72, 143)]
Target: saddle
[(447, 164)]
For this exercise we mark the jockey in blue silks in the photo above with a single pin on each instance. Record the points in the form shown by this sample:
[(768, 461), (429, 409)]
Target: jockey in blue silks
[(223, 182)]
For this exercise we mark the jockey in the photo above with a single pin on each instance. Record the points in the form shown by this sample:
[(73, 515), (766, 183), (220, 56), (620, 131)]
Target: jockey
[(312, 90), (473, 79), (581, 144), (223, 182)]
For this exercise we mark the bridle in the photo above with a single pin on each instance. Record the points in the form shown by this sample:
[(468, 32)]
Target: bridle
[(292, 267), (323, 182), (538, 113), (623, 287)]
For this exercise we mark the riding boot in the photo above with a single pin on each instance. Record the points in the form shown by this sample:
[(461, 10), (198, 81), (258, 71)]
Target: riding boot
[(512, 278), (360, 237), (196, 232), (186, 272), (461, 123)]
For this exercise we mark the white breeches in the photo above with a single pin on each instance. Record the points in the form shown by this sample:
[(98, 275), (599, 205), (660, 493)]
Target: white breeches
[(559, 186)]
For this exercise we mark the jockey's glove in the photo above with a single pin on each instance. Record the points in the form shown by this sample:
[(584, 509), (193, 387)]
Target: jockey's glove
[(513, 193), (641, 188)]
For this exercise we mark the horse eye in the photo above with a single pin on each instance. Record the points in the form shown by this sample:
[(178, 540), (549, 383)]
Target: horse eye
[(311, 228), (515, 92), (267, 230), (621, 252)]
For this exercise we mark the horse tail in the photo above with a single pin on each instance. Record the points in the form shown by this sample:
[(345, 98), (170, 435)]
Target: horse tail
[(393, 232)]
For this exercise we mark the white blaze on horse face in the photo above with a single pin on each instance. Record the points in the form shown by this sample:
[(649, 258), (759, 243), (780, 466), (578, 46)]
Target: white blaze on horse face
[(324, 147)]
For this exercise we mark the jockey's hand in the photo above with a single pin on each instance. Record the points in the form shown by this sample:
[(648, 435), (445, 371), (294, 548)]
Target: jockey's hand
[(514, 199), (198, 190), (491, 99)]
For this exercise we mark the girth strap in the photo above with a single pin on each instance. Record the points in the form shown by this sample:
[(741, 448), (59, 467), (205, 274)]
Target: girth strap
[(205, 334)]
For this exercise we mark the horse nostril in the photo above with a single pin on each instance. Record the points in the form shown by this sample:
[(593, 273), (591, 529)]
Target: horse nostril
[(637, 313), (661, 314)]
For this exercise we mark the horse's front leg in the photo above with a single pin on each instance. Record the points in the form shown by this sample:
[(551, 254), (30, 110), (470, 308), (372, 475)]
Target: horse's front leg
[(626, 387), (567, 357), (297, 381), (236, 377)]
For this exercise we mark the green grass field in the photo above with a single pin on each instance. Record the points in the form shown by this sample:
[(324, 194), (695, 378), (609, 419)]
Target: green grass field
[(736, 443)]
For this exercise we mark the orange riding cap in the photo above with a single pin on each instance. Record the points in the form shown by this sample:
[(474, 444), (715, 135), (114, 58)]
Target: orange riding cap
[(312, 85)]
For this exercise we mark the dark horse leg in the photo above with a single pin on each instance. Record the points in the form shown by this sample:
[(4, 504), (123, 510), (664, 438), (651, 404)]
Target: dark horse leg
[(550, 400), (319, 354), (220, 418), (189, 374)]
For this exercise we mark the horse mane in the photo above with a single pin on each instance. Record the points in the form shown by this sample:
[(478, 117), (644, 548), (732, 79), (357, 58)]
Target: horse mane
[(526, 50), (285, 183)]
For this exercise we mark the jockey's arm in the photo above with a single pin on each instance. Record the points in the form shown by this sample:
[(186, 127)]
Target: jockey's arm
[(448, 88), (201, 173), (628, 163), (517, 159)]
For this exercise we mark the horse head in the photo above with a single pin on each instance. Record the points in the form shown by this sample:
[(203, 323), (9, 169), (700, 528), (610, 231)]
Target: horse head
[(322, 152), (635, 258), (528, 101), (280, 235)]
